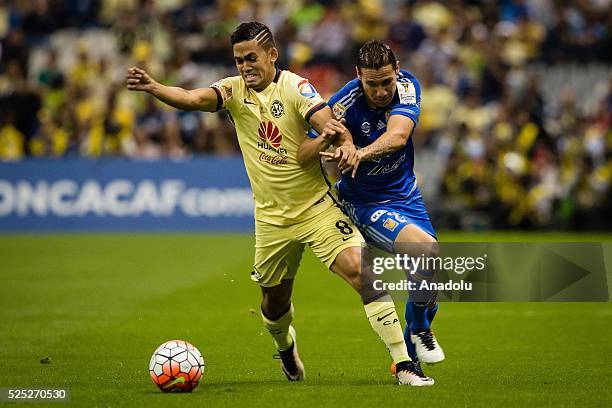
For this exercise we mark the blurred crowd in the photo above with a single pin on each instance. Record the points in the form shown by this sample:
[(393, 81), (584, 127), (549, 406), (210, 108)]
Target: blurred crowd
[(508, 154)]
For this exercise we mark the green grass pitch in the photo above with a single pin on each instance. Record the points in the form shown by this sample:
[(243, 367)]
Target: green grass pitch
[(99, 305)]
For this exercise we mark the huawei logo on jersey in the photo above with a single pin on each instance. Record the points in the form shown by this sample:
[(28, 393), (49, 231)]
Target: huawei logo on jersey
[(270, 133)]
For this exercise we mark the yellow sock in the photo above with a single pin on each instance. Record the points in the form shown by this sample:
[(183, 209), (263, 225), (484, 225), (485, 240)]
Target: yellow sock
[(279, 329), (383, 319)]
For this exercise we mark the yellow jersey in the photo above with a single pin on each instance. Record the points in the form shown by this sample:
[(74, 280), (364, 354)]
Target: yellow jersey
[(271, 125)]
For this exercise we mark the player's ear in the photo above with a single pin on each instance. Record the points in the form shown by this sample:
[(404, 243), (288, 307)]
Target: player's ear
[(358, 73), (273, 53), (397, 67)]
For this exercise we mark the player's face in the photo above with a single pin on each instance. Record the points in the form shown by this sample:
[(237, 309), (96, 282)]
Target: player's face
[(255, 65), (379, 85)]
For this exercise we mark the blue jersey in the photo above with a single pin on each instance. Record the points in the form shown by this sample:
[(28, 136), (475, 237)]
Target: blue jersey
[(390, 177)]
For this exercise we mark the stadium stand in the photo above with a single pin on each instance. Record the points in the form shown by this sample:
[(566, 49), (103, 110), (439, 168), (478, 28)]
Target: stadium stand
[(517, 95)]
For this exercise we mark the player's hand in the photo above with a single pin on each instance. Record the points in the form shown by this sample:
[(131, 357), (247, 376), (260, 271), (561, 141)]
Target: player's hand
[(342, 155), (355, 163), (347, 153), (138, 80), (332, 129), (347, 157)]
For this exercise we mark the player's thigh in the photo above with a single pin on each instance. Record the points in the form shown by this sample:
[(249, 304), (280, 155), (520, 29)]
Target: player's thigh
[(398, 228), (413, 240), (277, 254), (347, 265), (330, 233), (419, 236)]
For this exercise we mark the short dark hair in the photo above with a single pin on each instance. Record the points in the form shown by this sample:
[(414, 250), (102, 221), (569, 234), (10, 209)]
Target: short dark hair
[(254, 30), (375, 55)]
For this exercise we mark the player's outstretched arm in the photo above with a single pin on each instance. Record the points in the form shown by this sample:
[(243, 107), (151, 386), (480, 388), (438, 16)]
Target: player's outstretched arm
[(399, 129), (204, 99)]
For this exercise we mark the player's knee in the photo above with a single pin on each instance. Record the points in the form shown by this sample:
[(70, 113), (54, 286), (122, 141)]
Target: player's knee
[(431, 249), (353, 271), (352, 263), (353, 277), (348, 265), (273, 309), (274, 303)]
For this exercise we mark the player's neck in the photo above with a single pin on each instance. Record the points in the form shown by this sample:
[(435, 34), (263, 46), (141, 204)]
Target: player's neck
[(373, 106), (268, 80)]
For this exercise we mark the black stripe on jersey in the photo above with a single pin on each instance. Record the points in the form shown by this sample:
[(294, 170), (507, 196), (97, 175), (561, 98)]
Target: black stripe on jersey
[(219, 99), (313, 110), (229, 115), (324, 174), (333, 199), (278, 72)]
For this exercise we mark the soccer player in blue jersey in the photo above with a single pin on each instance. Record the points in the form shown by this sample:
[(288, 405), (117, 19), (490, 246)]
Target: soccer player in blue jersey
[(380, 108)]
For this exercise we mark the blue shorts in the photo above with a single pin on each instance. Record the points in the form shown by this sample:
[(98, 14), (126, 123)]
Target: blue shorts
[(380, 223)]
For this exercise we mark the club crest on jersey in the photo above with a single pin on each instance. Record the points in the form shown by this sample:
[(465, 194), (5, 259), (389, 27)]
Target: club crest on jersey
[(306, 89), (390, 224), (339, 110), (277, 109)]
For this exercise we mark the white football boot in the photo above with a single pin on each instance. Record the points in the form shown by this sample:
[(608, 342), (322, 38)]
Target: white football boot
[(290, 362), (427, 348), (410, 373)]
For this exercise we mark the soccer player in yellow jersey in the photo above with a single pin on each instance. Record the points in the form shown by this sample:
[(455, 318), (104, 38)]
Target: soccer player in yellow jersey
[(272, 110)]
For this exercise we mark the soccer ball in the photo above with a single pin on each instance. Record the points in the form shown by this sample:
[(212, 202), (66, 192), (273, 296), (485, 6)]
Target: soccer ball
[(176, 366)]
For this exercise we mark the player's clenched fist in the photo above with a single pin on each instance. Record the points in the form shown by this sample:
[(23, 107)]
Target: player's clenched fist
[(333, 128), (138, 80)]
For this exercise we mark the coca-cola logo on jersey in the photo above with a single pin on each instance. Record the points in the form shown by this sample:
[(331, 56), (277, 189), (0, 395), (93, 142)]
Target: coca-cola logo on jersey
[(276, 160)]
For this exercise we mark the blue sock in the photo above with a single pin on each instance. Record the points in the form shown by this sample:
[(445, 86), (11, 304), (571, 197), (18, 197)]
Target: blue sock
[(431, 312), (418, 314), (411, 348), (418, 308)]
